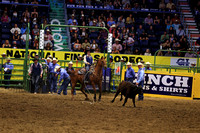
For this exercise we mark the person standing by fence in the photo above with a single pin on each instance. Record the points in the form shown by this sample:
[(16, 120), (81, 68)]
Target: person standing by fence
[(140, 79), (130, 73), (53, 77), (36, 72), (8, 67), (48, 62), (69, 69), (63, 76)]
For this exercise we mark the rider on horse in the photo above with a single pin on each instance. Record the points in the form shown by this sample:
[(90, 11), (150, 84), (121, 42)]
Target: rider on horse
[(88, 60)]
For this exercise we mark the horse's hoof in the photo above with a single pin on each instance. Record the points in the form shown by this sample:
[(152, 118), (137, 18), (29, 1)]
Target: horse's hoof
[(87, 99), (99, 100), (95, 100), (112, 101)]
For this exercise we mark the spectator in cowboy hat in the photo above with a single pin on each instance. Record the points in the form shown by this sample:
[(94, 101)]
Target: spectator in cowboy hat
[(147, 66), (117, 45), (8, 67), (3, 55), (140, 78), (130, 73), (36, 72), (80, 58)]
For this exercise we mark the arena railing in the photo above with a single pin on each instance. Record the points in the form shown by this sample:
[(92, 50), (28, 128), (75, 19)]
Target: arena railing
[(21, 4)]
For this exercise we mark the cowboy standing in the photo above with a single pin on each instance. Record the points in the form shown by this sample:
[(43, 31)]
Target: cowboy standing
[(36, 72), (8, 67), (140, 78), (69, 69), (63, 76), (130, 73), (3, 59), (148, 66), (88, 60), (53, 77), (48, 62)]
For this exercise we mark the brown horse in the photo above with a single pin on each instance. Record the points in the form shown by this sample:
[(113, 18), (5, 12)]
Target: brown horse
[(94, 79)]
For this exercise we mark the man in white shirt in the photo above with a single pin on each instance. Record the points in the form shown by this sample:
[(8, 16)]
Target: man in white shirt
[(15, 28), (23, 40)]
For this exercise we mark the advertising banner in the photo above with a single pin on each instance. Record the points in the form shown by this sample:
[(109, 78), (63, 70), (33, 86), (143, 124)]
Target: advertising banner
[(182, 61)]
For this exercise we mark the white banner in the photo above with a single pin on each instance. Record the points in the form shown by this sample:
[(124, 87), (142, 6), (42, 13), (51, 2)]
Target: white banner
[(182, 61)]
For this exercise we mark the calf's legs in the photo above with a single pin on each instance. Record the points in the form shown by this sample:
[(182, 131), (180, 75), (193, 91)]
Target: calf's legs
[(117, 93)]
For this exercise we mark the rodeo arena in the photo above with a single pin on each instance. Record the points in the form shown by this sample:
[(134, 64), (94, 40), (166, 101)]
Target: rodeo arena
[(99, 66)]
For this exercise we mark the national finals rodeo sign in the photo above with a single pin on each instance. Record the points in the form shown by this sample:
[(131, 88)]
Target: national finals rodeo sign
[(62, 55)]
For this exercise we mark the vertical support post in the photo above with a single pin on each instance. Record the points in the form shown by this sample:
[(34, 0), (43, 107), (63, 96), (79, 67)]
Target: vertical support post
[(26, 57)]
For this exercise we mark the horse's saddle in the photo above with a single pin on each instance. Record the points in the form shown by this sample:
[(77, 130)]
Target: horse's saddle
[(82, 71)]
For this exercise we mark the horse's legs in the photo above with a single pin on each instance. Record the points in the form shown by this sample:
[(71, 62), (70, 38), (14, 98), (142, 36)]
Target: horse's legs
[(100, 90), (83, 91), (72, 90), (93, 85)]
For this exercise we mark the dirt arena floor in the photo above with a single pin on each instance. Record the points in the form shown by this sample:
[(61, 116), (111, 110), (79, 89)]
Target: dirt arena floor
[(25, 112)]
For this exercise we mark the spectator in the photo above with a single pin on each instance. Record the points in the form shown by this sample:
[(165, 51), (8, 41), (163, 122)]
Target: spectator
[(162, 5), (171, 31), (48, 47), (175, 19), (183, 44), (114, 31), (109, 6), (111, 22), (148, 20), (147, 53), (34, 20), (94, 45), (136, 52), (23, 40), (136, 7), (151, 32), (130, 41), (15, 18), (8, 67), (46, 40), (171, 38), (14, 29), (70, 21), (144, 36), (77, 45), (140, 30), (156, 21), (166, 44), (130, 21), (82, 19), (26, 16), (125, 2), (35, 31), (117, 45), (16, 37), (48, 33), (101, 23), (169, 53), (127, 7), (6, 44), (164, 37), (35, 2), (115, 51), (97, 50), (23, 29), (190, 54), (176, 25), (5, 18), (169, 5), (132, 30), (168, 22), (128, 51), (175, 45), (180, 32), (86, 45), (45, 23), (117, 4), (120, 23), (34, 13), (36, 45)]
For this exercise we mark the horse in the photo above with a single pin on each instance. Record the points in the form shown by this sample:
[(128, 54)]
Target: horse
[(94, 79)]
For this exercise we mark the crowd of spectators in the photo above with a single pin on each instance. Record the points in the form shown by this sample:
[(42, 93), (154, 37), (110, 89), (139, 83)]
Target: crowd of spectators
[(14, 22), (133, 32)]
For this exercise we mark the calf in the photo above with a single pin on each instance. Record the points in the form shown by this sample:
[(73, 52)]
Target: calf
[(129, 90)]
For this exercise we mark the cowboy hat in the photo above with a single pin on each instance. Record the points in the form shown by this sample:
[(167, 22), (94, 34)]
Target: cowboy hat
[(54, 59), (3, 54), (193, 63), (117, 40), (140, 64), (74, 20), (56, 68), (148, 63), (70, 62), (8, 59), (49, 59), (122, 59), (80, 56), (72, 14), (128, 63)]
